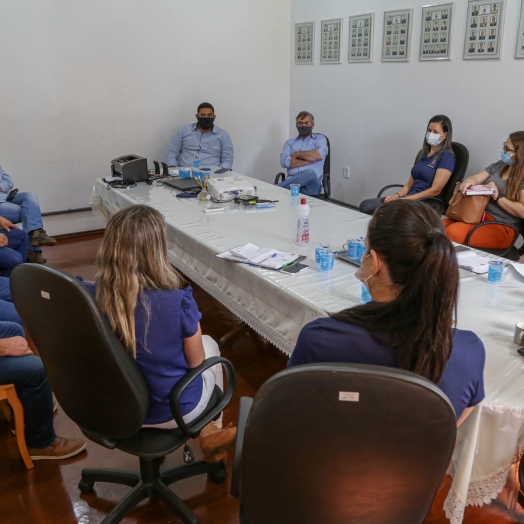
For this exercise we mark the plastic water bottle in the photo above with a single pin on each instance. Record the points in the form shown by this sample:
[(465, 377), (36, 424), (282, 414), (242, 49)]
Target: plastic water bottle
[(196, 162), (303, 223)]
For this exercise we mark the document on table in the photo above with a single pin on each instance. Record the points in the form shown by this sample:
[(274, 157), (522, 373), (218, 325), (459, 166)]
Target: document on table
[(472, 262), (263, 257), (519, 268)]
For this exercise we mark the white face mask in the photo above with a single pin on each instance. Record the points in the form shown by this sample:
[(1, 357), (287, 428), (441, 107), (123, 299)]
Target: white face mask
[(359, 275), (433, 139)]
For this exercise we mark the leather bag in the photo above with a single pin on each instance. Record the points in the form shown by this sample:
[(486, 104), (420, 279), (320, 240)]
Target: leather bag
[(467, 209)]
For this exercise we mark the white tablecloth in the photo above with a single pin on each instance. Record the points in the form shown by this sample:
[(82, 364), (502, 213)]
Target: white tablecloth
[(277, 306)]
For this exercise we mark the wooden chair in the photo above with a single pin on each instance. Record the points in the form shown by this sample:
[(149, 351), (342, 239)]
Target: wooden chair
[(8, 392)]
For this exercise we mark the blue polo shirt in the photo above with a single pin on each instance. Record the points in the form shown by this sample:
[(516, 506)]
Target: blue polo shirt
[(160, 348), (329, 340), (423, 172)]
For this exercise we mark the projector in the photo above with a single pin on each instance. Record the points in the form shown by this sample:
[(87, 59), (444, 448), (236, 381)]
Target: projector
[(227, 188)]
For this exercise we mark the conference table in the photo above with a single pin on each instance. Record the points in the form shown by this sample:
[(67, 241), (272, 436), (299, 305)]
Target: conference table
[(278, 305)]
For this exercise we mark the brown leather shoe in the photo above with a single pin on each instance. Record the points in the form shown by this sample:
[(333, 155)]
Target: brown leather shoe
[(61, 448), (40, 238), (35, 257), (214, 446)]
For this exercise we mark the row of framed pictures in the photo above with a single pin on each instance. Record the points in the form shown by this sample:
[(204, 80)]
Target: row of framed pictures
[(483, 37)]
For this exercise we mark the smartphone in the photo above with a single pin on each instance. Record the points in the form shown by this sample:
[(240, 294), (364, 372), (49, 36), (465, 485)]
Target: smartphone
[(520, 351), (12, 194), (294, 269), (221, 170)]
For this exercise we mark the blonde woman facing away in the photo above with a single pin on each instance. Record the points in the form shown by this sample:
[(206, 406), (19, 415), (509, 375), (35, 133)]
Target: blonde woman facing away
[(152, 311), (506, 178)]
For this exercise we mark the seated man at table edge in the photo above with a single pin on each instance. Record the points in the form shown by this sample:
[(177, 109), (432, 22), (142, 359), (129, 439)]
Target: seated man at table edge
[(202, 139), (20, 367), (24, 207), (410, 269), (304, 157)]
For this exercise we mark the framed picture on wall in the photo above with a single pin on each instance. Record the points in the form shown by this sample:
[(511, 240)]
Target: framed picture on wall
[(396, 35), (360, 45), (304, 42), (436, 32), (484, 24), (519, 53), (330, 41)]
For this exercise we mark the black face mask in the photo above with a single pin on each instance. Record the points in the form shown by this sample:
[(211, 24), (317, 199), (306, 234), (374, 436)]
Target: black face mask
[(304, 130), (205, 123)]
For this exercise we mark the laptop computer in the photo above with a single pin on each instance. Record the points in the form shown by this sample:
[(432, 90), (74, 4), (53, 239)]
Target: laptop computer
[(182, 184)]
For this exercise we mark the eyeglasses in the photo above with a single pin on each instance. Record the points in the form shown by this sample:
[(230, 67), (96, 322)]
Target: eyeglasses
[(506, 149)]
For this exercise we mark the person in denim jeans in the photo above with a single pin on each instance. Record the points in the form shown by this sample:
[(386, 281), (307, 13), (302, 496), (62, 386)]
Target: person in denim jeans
[(24, 207), (14, 244)]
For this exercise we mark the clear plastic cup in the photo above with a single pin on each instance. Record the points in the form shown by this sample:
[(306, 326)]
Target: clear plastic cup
[(327, 260), (495, 270), (184, 173), (295, 189), (353, 249)]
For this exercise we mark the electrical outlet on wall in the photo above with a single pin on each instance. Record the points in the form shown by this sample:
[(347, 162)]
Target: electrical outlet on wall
[(345, 172)]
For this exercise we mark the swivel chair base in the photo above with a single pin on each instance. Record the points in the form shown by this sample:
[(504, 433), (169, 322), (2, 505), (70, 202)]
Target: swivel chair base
[(150, 482)]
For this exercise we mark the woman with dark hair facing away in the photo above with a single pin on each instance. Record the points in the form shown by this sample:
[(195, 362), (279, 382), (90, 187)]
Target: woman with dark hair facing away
[(433, 166), (506, 178), (410, 268), (153, 313)]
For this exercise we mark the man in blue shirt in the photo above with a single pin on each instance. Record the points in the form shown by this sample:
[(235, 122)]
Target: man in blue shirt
[(304, 157), (23, 207), (212, 145)]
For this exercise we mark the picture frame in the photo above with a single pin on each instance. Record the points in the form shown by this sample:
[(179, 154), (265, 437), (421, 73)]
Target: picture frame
[(361, 27), (304, 43), (519, 50), (484, 28), (436, 31), (397, 28), (331, 41)]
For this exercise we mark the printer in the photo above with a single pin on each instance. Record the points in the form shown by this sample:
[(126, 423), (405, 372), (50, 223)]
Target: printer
[(132, 168), (227, 188)]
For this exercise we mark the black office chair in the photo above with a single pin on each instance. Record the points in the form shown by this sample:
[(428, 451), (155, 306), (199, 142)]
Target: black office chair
[(99, 386), (342, 444), (326, 179), (511, 252), (461, 165)]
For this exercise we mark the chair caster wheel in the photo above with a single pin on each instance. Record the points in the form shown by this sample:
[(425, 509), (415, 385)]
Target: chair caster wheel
[(86, 486), (219, 477)]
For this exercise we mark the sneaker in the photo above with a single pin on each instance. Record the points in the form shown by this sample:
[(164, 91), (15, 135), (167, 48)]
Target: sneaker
[(61, 448), (39, 238), (35, 257)]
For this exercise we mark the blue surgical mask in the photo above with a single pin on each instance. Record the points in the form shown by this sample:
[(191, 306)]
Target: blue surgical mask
[(506, 158), (359, 275)]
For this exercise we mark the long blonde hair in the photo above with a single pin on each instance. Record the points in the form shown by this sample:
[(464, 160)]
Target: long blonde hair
[(516, 170), (131, 259)]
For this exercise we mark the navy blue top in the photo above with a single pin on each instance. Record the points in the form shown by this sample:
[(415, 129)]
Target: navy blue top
[(329, 340), (423, 172), (159, 353)]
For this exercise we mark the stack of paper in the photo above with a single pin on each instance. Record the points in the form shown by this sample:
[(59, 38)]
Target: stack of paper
[(472, 262), (259, 256)]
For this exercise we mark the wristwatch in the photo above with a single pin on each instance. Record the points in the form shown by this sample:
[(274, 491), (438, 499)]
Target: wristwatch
[(499, 197)]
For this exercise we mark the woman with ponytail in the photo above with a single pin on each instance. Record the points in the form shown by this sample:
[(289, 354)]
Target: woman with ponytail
[(410, 268)]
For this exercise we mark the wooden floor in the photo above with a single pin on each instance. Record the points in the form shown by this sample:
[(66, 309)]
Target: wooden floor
[(49, 494)]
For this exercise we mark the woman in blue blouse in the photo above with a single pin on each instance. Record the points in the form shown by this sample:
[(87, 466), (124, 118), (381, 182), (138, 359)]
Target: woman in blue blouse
[(152, 310), (433, 166), (410, 269)]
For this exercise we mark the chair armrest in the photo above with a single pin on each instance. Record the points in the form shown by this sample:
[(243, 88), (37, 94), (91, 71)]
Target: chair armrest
[(243, 413), (277, 178), (388, 187), (482, 224), (326, 183), (193, 430)]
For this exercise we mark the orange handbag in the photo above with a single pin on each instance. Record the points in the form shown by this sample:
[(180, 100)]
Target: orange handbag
[(467, 209)]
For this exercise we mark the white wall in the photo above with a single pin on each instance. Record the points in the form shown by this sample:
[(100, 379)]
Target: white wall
[(86, 81), (375, 114)]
